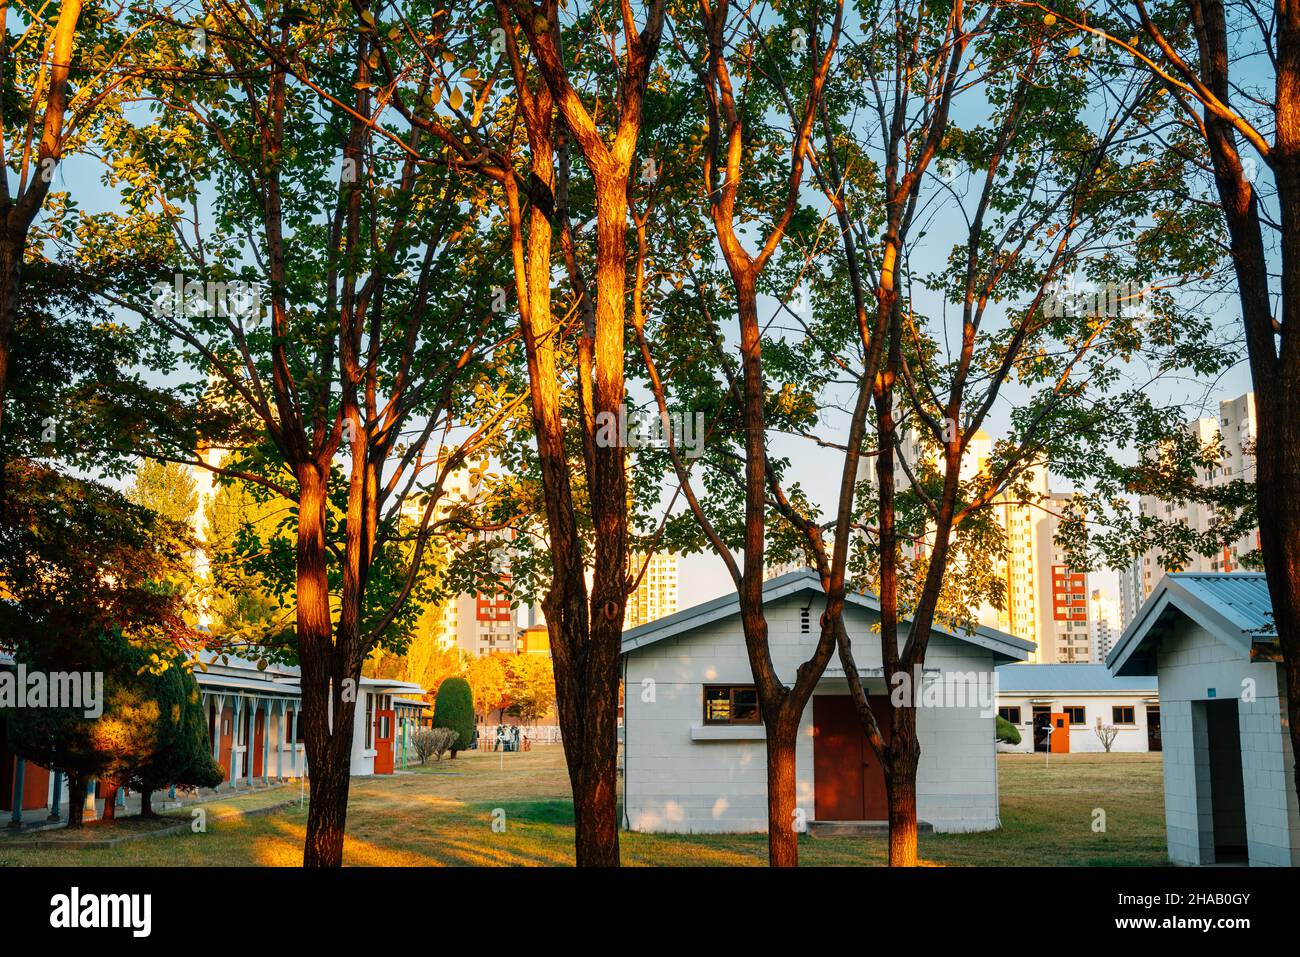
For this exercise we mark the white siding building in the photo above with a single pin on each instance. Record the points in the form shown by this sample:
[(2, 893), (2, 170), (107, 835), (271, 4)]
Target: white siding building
[(694, 753), (1082, 697), (1229, 767)]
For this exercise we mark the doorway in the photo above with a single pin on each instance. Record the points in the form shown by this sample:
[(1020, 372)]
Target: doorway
[(848, 781), (1227, 791), (1042, 726), (1153, 728)]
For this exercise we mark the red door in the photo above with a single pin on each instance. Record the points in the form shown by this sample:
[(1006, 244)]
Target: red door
[(384, 721), (259, 729), (848, 782)]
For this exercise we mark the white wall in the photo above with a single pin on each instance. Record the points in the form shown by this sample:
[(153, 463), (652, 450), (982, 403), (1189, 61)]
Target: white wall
[(1083, 738), (677, 784), (1192, 661)]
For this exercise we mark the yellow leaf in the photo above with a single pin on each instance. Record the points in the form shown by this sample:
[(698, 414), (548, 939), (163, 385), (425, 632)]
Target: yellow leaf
[(456, 99)]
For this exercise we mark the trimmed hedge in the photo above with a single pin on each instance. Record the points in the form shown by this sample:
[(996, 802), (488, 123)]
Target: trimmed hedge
[(1007, 733), (454, 709)]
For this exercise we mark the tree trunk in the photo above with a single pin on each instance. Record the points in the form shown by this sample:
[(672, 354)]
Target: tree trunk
[(903, 754), (327, 816), (901, 757), (327, 707), (11, 258), (782, 824), (146, 803), (110, 802), (76, 799)]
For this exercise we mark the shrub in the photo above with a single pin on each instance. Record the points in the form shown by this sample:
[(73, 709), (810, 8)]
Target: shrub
[(435, 741), (454, 709), (1007, 733)]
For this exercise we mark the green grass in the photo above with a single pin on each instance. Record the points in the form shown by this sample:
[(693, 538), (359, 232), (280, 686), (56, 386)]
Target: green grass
[(443, 815)]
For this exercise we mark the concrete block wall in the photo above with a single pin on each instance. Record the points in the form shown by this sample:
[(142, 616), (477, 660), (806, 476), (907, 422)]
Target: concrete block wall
[(1191, 663), (679, 784)]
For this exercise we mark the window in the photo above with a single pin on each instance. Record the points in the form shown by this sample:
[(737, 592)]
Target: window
[(1122, 714), (370, 721), (1075, 713), (731, 704), (1010, 714)]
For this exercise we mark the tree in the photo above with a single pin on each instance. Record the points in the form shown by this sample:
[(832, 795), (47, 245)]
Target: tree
[(167, 489), (339, 337), (152, 731), (186, 759), (1106, 734), (454, 710), (725, 162), (530, 686), (487, 677), (1197, 51)]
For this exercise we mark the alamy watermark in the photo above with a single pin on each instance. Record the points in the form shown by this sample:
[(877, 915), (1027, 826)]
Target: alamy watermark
[(951, 689), (78, 690), (634, 430), (1107, 300), (232, 299)]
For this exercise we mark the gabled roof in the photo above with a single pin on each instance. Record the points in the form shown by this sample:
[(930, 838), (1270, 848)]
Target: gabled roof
[(798, 582), (1234, 607), (1070, 678)]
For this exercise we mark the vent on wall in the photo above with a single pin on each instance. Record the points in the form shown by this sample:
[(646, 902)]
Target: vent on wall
[(803, 620)]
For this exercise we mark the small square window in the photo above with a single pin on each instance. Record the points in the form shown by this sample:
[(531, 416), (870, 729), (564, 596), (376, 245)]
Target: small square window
[(731, 704), (1076, 714)]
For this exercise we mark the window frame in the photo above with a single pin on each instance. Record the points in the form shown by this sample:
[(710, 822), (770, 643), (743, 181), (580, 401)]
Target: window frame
[(1070, 709), (731, 703), (1131, 709), (1007, 717)]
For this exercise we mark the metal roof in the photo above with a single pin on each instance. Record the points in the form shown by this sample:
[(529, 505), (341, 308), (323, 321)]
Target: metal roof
[(1001, 644), (1234, 607), (1076, 678)]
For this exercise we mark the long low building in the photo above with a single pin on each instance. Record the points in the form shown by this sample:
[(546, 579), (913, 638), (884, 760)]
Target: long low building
[(255, 729), (1071, 707)]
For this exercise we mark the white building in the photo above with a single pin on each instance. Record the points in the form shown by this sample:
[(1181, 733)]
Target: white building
[(694, 752), (1236, 428), (1064, 705), (255, 732), (1229, 768)]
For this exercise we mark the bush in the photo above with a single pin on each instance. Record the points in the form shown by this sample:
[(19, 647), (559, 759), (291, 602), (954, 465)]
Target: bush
[(433, 741), (454, 709), (1007, 733)]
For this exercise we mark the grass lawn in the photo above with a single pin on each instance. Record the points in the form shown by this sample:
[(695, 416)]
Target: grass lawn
[(442, 815)]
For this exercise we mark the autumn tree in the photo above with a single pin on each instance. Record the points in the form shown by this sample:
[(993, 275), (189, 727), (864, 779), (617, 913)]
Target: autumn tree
[(336, 310)]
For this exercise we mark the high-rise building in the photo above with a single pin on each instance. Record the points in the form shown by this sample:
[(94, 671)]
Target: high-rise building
[(479, 624), (656, 594), (1045, 601), (1104, 612), (1236, 427), (1130, 592)]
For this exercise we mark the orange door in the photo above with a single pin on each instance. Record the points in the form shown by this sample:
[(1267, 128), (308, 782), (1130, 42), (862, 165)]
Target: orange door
[(1060, 733), (848, 782), (384, 721)]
